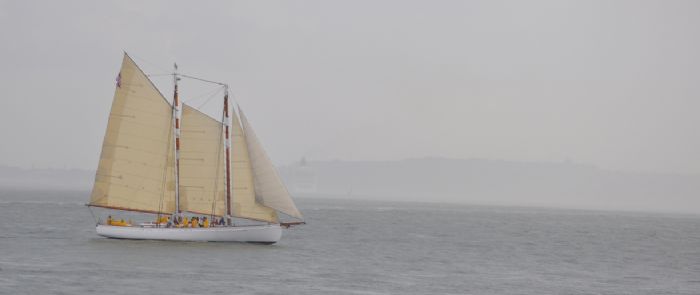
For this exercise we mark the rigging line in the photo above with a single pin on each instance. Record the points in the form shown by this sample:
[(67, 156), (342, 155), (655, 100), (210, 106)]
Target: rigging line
[(203, 80), (97, 220), (208, 99), (216, 181), (233, 97), (159, 75), (151, 63), (170, 73), (204, 94), (165, 170)]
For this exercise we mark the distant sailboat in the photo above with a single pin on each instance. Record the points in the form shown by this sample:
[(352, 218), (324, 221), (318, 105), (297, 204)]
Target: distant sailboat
[(173, 160)]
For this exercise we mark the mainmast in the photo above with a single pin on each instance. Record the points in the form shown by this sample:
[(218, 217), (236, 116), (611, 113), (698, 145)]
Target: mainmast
[(226, 123), (176, 116), (227, 141)]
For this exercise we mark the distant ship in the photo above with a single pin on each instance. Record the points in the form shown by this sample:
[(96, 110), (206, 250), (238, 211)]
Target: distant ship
[(176, 162)]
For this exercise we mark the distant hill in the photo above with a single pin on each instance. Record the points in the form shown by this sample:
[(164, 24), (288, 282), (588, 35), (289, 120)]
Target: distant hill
[(496, 182)]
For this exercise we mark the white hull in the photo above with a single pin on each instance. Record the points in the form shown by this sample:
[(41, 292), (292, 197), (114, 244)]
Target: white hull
[(268, 234)]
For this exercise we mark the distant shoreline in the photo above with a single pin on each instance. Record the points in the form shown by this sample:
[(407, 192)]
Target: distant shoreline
[(447, 181)]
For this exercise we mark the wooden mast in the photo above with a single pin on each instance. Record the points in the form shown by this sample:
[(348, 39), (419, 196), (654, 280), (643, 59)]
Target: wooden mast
[(227, 141), (176, 116)]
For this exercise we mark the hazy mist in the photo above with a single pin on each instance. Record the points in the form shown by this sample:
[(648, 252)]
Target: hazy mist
[(608, 83), (605, 84)]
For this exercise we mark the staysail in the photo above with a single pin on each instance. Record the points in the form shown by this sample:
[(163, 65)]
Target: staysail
[(202, 180), (243, 203), (136, 170), (269, 188)]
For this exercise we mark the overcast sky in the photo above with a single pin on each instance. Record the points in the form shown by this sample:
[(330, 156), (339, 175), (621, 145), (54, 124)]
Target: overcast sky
[(610, 83)]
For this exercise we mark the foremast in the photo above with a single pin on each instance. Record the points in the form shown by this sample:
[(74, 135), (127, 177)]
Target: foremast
[(227, 144), (176, 132)]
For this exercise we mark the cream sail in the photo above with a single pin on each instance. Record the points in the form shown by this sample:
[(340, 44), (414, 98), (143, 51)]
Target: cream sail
[(269, 188), (172, 159), (244, 202), (135, 171), (202, 184)]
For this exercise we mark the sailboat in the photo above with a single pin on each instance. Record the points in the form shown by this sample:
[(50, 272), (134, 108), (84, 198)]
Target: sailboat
[(173, 160)]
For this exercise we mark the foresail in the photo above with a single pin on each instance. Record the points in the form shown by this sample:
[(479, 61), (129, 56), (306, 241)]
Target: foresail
[(269, 188), (202, 179), (136, 170), (243, 202)]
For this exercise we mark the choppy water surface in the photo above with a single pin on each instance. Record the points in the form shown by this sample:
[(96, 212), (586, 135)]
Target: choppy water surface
[(355, 247)]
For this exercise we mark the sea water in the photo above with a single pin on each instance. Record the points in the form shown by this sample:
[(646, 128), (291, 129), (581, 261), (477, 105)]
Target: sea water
[(49, 246)]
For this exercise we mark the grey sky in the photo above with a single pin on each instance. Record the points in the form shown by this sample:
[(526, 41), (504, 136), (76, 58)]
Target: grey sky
[(609, 83)]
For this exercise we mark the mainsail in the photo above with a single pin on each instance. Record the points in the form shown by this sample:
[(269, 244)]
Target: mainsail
[(202, 183), (136, 171), (269, 188), (243, 203)]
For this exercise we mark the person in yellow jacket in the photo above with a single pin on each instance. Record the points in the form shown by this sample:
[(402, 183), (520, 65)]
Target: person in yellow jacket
[(205, 222), (163, 219), (184, 222), (120, 222)]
